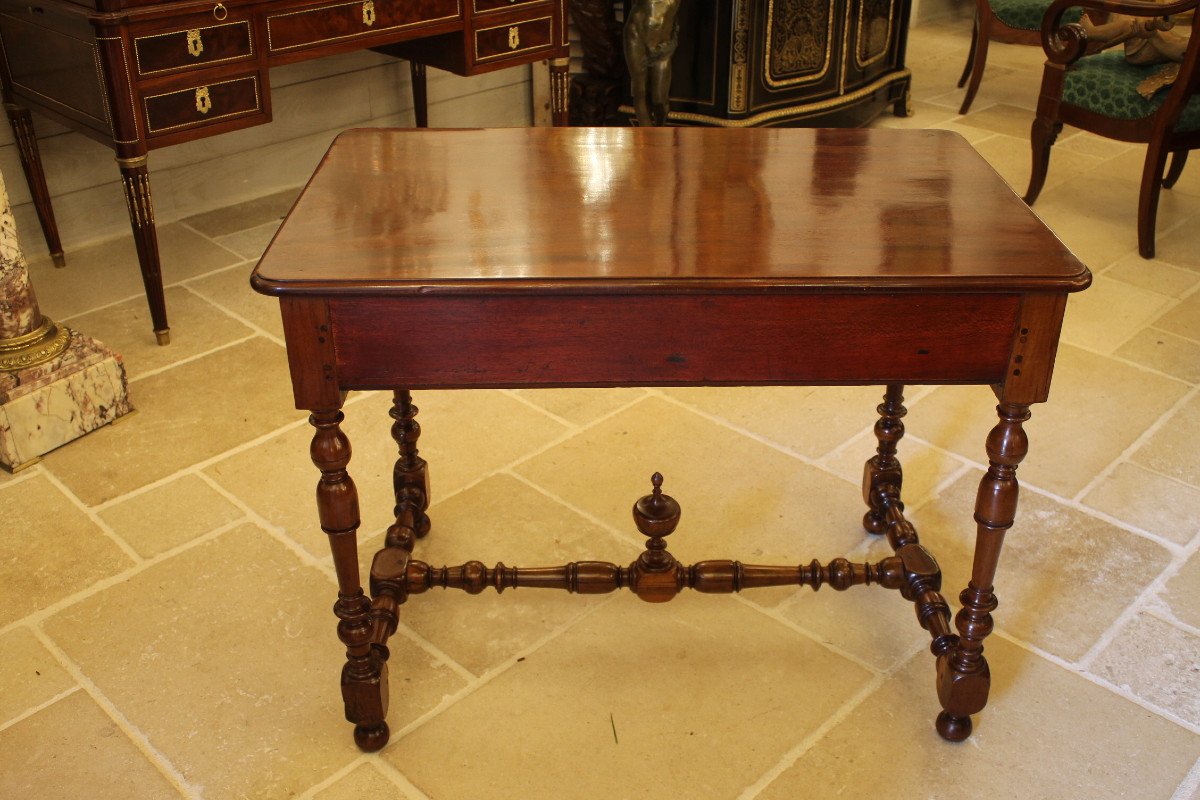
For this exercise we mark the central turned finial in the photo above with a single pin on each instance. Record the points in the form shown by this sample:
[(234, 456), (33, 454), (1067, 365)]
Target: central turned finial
[(656, 576)]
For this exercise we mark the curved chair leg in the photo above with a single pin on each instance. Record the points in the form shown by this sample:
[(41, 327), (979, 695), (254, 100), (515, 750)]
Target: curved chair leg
[(1178, 159), (1156, 159), (966, 73), (978, 59), (1041, 137)]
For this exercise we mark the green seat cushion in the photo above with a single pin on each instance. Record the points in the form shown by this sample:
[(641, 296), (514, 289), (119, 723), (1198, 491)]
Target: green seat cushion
[(1106, 84), (1027, 14)]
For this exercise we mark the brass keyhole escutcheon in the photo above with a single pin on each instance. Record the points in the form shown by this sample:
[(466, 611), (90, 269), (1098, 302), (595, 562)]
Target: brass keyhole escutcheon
[(369, 13), (203, 100), (514, 37), (194, 45)]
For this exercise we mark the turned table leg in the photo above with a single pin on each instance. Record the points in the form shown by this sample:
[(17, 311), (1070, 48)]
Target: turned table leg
[(364, 676), (883, 469), (963, 678), (410, 477)]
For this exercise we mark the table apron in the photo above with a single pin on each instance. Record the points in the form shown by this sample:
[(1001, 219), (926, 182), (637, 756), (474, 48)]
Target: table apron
[(468, 341)]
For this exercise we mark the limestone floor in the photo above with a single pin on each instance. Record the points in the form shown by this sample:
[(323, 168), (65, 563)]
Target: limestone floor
[(165, 591)]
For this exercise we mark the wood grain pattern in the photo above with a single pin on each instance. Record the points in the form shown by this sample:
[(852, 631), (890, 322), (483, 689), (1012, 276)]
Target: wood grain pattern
[(574, 210)]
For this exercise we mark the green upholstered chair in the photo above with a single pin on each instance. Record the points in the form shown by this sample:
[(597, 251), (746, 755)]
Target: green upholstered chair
[(1098, 93), (1008, 21)]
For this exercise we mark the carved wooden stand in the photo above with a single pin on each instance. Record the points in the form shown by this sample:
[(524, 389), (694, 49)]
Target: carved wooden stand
[(656, 576)]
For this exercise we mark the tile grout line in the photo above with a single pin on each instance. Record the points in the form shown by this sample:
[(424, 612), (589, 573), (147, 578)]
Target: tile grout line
[(1142, 602), (132, 733), (150, 373), (1092, 678), (29, 712), (1137, 443), (789, 759), (94, 516), (1189, 785), (187, 286), (398, 778), (40, 615)]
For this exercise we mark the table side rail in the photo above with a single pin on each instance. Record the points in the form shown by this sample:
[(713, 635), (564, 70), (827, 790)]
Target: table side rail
[(512, 341)]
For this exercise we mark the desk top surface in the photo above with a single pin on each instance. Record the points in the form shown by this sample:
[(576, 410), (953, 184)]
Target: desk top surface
[(629, 210)]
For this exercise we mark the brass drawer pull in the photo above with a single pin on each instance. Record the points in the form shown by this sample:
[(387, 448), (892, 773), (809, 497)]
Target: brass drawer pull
[(194, 45), (514, 37), (220, 12), (368, 12), (203, 100)]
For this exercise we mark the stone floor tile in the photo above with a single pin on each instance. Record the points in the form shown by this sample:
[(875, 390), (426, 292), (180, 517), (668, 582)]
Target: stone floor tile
[(239, 217), (1046, 734), (1096, 215), (740, 499), (51, 549), (465, 436), (1098, 407), (230, 290), (998, 117), (365, 781), (1165, 352), (1170, 449), (873, 624), (1177, 246), (1158, 662), (1148, 501), (1183, 319), (1182, 594), (503, 519), (580, 406), (29, 675), (108, 271), (72, 749), (169, 515), (676, 686), (1152, 274), (187, 414), (810, 420), (250, 243), (226, 658), (196, 327), (1064, 576), (1109, 313)]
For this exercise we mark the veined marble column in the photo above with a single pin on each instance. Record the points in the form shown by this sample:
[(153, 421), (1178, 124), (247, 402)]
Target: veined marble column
[(55, 384)]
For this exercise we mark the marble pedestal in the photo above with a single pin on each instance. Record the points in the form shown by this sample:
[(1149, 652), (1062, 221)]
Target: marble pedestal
[(45, 406)]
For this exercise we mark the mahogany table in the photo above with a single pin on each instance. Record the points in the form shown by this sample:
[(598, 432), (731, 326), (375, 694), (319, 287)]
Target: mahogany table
[(574, 257)]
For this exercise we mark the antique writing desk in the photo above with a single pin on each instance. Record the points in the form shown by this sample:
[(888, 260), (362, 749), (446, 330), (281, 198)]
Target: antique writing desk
[(142, 74), (664, 256)]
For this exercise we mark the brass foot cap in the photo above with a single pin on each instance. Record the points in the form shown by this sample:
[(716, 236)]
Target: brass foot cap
[(59, 259), (163, 337)]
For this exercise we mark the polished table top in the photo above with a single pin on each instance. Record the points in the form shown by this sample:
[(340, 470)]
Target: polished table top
[(627, 209)]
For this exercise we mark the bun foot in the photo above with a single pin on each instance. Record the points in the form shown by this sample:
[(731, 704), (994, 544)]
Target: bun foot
[(873, 522), (372, 739), (952, 728)]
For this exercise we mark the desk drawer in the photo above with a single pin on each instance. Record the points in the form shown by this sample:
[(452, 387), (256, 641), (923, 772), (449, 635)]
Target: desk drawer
[(204, 104), (358, 19), (486, 6), (516, 39), (190, 48)]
